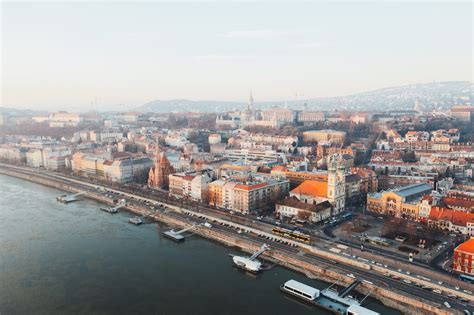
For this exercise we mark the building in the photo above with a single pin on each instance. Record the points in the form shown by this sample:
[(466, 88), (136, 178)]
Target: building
[(464, 257), (106, 135), (123, 169), (60, 119), (331, 189), (284, 115), (214, 138), (190, 185), (464, 113), (451, 220), (400, 202), (252, 195), (309, 118), (325, 135), (12, 154), (158, 176), (291, 207)]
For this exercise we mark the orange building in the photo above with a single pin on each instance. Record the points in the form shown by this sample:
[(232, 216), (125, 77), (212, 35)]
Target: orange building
[(464, 257)]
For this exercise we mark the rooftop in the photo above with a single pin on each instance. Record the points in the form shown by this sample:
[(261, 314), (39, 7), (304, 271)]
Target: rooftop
[(295, 203), (467, 246), (414, 189), (312, 188)]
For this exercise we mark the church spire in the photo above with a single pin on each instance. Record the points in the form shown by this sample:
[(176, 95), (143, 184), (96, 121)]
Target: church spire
[(250, 103)]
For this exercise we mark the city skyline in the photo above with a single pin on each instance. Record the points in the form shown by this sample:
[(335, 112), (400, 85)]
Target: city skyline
[(98, 54)]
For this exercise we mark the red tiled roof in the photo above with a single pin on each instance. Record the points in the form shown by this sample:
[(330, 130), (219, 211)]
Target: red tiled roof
[(467, 246), (459, 218), (458, 202), (312, 188), (250, 187)]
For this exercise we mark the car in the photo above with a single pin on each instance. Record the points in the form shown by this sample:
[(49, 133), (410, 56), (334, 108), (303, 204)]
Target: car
[(350, 275), (440, 282), (380, 218), (208, 225), (447, 304), (457, 288), (437, 291), (407, 281)]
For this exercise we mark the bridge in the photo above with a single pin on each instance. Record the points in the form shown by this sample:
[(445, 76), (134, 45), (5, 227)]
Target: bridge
[(176, 235), (260, 251), (69, 198), (348, 289), (114, 209)]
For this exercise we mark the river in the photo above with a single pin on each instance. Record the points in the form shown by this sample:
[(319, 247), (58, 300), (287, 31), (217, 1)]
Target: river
[(63, 259)]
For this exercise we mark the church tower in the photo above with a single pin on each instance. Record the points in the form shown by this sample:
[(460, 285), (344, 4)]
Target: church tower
[(336, 183), (158, 175), (250, 103)]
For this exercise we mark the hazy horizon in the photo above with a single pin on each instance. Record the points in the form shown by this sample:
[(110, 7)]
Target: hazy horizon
[(81, 56)]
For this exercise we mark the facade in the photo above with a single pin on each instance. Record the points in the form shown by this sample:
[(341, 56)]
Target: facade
[(293, 208), (60, 119), (247, 196), (40, 157), (127, 170), (190, 185), (106, 135), (12, 154), (121, 170), (158, 176), (464, 257), (284, 115), (451, 220), (214, 138), (401, 202), (325, 135), (308, 118), (464, 113)]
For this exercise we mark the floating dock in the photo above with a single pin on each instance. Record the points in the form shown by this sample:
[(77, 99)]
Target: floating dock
[(172, 235), (115, 209), (135, 220), (176, 235), (250, 263), (69, 198), (339, 303), (109, 210)]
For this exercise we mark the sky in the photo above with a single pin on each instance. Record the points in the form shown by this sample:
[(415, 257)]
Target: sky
[(97, 55)]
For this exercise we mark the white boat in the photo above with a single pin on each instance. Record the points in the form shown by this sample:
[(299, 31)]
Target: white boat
[(135, 220)]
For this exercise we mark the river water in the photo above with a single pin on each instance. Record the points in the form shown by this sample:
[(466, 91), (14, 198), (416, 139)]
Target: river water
[(62, 259)]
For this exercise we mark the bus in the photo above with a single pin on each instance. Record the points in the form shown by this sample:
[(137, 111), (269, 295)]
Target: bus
[(466, 278), (295, 235)]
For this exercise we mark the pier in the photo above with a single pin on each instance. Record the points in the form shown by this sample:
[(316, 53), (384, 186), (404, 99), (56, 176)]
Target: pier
[(115, 209), (69, 198), (250, 263), (177, 235)]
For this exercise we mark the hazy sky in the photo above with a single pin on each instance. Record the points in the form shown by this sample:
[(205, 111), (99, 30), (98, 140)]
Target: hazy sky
[(70, 56)]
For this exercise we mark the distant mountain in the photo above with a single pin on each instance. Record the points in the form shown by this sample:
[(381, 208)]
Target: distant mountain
[(434, 95)]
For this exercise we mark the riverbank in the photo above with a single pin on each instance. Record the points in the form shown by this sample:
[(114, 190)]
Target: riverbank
[(404, 303)]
